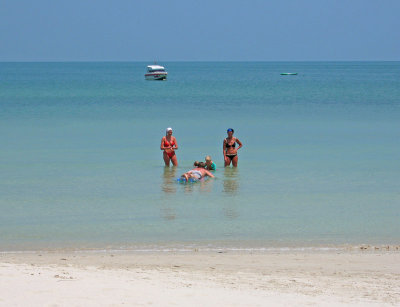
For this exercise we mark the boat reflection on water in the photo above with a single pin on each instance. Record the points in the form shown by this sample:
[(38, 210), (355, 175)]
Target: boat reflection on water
[(231, 180)]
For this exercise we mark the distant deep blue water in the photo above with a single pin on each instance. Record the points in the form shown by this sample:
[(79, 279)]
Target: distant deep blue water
[(80, 164)]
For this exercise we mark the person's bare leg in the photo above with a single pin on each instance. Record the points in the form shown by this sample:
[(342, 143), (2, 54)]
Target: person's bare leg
[(235, 161), (174, 160), (227, 161), (166, 159)]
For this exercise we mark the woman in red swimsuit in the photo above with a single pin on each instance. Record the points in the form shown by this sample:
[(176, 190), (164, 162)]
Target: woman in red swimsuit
[(229, 148), (169, 145)]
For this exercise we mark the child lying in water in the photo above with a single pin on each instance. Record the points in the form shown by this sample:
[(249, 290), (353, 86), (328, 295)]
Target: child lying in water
[(198, 172)]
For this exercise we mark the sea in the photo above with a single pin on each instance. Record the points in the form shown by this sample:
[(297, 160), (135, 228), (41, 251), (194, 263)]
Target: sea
[(81, 166)]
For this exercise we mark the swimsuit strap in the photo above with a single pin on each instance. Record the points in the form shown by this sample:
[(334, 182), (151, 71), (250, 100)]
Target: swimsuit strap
[(166, 143), (227, 142)]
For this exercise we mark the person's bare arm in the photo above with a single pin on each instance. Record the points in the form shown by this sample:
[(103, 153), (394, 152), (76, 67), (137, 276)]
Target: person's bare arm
[(175, 147), (224, 148), (162, 144), (209, 174), (239, 142)]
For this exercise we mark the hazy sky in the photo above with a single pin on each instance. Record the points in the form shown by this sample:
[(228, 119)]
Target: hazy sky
[(202, 30)]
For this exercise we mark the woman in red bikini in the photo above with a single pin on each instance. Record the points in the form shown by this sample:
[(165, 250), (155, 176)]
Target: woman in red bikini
[(169, 145), (229, 148)]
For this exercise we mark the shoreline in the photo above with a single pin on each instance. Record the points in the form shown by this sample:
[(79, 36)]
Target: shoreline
[(189, 248), (94, 278)]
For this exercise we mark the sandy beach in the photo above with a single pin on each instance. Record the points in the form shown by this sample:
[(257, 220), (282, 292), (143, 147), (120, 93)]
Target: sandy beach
[(221, 278)]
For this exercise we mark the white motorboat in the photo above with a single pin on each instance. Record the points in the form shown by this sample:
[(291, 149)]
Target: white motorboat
[(156, 72)]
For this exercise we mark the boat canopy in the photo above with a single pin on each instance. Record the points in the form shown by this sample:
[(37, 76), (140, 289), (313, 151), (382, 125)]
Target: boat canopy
[(155, 68)]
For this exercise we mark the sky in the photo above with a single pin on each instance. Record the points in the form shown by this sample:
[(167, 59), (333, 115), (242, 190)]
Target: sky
[(206, 30)]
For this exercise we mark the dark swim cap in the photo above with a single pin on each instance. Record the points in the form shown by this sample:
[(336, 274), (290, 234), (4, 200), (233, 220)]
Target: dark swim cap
[(230, 129)]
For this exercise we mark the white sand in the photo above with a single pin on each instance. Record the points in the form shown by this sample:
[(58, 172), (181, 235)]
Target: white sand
[(199, 279)]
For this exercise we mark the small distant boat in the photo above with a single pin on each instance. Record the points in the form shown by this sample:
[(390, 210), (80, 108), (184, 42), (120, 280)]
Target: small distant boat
[(289, 74), (156, 72)]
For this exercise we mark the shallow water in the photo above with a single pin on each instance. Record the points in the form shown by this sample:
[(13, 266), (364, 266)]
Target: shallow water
[(81, 166)]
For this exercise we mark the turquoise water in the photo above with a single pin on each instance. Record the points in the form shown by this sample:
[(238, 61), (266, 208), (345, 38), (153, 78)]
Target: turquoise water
[(80, 165)]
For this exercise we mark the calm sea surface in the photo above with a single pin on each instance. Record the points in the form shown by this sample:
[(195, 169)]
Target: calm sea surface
[(80, 164)]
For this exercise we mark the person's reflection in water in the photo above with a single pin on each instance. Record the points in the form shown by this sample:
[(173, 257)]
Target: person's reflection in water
[(202, 186), (188, 187), (168, 183), (168, 213), (230, 188), (231, 180), (206, 186), (168, 186), (230, 213)]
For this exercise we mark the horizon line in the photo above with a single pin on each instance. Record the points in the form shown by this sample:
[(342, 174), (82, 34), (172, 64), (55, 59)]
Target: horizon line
[(199, 61)]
